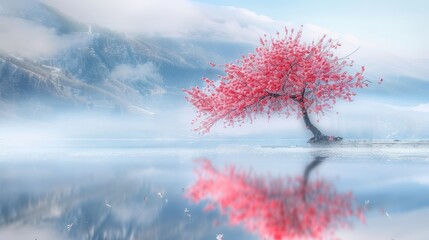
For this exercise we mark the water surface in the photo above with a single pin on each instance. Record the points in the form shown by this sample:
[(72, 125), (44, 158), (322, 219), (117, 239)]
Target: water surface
[(143, 190)]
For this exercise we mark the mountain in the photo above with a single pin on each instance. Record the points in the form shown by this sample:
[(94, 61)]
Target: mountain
[(77, 77), (70, 65), (99, 69), (38, 89)]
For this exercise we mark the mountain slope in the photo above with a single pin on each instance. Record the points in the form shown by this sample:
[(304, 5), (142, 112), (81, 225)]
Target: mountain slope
[(84, 75), (27, 84), (94, 68)]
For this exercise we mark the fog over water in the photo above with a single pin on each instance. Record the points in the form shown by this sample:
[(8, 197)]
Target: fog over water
[(96, 140)]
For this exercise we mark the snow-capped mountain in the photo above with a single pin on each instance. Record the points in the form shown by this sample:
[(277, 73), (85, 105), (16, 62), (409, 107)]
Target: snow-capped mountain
[(94, 67), (36, 89), (87, 66)]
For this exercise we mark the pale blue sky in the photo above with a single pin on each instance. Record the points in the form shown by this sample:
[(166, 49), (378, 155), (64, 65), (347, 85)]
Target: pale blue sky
[(401, 27)]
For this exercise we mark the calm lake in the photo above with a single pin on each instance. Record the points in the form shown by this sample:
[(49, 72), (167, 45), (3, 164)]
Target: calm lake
[(214, 189)]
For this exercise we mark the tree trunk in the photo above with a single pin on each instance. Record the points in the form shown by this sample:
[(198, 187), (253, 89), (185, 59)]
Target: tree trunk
[(319, 137), (316, 132)]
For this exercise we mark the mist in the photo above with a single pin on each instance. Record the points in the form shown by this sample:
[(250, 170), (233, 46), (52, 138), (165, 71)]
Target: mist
[(97, 140), (28, 39), (178, 19), (368, 119), (394, 111)]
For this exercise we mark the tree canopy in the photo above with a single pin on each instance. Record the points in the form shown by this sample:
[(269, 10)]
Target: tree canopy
[(285, 75)]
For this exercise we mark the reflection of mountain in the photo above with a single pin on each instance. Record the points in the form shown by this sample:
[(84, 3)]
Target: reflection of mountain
[(101, 205), (83, 213), (292, 208)]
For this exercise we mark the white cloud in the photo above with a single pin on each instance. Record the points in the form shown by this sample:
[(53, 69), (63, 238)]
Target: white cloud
[(379, 62), (29, 39), (179, 18), (145, 16), (146, 72), (237, 24), (187, 19)]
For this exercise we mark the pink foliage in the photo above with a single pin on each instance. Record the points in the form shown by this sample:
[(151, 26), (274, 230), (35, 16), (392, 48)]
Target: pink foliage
[(283, 75), (278, 208)]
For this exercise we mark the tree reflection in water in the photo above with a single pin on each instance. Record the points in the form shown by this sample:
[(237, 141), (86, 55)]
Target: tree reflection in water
[(278, 208)]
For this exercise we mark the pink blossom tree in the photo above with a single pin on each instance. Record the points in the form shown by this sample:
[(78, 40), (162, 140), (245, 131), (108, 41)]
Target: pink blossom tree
[(278, 208), (286, 75)]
